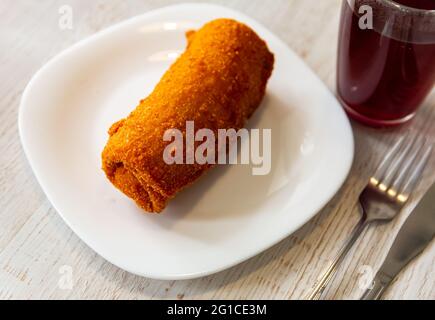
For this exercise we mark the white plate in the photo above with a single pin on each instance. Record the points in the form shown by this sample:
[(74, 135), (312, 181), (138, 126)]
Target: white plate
[(226, 217)]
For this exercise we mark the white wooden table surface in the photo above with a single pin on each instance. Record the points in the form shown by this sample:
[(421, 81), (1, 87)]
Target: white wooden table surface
[(35, 244)]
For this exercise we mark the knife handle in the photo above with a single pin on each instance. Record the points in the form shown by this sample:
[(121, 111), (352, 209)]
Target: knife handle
[(380, 284)]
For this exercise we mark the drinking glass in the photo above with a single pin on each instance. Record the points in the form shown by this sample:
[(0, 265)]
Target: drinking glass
[(386, 59)]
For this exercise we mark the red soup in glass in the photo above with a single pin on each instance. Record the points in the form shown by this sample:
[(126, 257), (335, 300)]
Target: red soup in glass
[(386, 59)]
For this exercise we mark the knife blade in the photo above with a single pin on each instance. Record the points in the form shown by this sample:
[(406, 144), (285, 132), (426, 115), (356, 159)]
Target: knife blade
[(415, 234)]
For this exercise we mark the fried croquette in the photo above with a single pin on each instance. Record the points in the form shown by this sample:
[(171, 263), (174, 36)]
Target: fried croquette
[(218, 82)]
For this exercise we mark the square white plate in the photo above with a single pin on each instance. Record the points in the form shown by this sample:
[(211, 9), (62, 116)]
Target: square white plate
[(226, 217)]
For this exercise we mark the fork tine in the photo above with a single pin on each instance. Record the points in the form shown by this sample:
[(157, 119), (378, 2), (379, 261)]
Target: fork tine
[(396, 166), (385, 163), (388, 167), (407, 159), (414, 172)]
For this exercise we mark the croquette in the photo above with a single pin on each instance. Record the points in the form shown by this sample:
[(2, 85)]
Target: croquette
[(218, 82)]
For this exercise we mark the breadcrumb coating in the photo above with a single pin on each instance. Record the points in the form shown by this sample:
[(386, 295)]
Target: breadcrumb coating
[(218, 82)]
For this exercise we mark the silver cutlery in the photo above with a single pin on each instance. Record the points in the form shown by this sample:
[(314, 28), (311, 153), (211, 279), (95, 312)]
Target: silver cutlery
[(416, 233), (385, 195)]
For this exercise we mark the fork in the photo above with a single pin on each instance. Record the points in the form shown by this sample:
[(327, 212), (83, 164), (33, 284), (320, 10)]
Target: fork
[(385, 195)]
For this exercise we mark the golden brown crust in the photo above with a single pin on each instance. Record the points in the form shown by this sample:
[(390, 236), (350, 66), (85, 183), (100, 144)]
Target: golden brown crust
[(218, 82)]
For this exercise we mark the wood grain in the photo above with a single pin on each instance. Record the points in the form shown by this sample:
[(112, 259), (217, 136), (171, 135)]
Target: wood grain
[(35, 243)]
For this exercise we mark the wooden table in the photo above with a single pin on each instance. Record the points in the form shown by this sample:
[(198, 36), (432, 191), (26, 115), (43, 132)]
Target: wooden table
[(35, 243)]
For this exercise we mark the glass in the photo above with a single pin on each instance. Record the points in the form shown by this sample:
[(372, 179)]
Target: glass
[(386, 59)]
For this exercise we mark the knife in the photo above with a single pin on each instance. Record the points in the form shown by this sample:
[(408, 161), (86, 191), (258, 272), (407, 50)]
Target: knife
[(416, 233)]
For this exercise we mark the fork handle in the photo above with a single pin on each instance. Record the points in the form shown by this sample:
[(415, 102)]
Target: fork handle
[(332, 270)]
